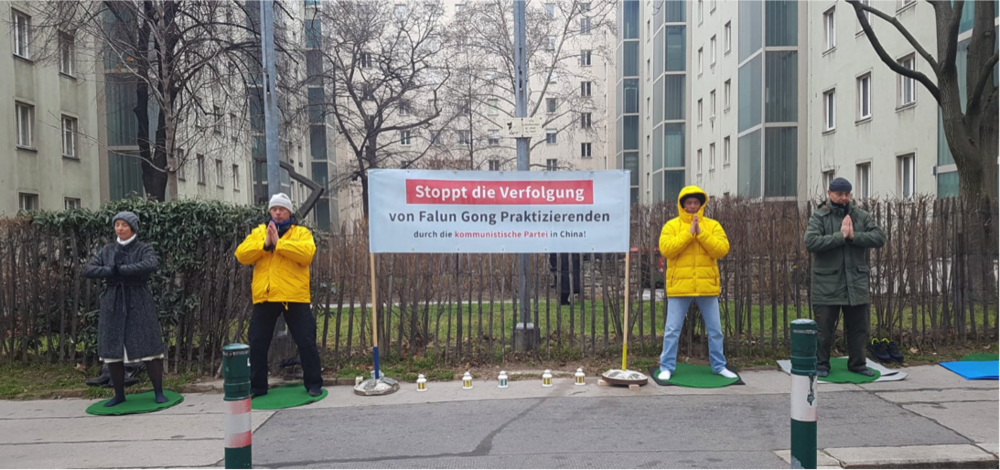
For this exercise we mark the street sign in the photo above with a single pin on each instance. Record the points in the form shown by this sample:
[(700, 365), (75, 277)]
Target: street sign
[(523, 127)]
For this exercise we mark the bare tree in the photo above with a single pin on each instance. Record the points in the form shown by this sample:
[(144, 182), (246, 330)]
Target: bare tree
[(970, 125), (187, 61), (563, 37), (386, 68)]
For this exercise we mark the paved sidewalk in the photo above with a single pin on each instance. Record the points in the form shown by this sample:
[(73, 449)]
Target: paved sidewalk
[(933, 418)]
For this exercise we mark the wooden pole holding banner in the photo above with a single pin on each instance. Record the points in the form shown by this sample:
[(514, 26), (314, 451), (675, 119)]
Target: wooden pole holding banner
[(371, 258), (628, 255)]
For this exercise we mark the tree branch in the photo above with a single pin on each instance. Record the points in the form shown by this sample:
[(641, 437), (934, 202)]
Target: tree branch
[(975, 98), (888, 60)]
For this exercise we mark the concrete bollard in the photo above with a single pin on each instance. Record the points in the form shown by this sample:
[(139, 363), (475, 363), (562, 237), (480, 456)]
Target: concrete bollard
[(803, 394), (238, 424)]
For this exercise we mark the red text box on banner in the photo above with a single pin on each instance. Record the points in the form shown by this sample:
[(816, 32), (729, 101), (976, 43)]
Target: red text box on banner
[(565, 192)]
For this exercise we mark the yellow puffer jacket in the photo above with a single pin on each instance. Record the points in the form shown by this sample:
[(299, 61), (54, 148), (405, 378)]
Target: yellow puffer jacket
[(281, 275), (692, 267)]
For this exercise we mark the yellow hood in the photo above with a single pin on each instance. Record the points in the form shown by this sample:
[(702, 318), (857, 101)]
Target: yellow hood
[(687, 191)]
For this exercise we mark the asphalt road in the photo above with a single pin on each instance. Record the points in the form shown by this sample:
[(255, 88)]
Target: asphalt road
[(570, 432)]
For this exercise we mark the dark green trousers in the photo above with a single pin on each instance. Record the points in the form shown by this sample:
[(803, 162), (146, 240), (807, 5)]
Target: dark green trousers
[(856, 326)]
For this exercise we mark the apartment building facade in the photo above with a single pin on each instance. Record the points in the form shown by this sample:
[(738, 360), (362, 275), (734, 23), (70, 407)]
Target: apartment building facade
[(774, 99), (48, 122)]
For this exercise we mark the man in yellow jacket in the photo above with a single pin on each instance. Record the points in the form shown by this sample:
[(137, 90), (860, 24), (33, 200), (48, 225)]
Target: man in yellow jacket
[(692, 245), (281, 253)]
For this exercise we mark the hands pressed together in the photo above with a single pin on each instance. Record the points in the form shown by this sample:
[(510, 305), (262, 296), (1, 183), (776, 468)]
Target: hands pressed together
[(847, 228), (695, 226), (271, 239)]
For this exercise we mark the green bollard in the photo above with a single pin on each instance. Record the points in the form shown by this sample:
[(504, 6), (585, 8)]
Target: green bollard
[(236, 377), (803, 393)]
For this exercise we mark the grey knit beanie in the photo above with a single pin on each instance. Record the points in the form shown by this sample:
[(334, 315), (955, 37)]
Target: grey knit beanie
[(131, 219)]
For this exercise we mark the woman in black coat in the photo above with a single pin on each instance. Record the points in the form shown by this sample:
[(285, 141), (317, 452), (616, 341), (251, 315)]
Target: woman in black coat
[(128, 329)]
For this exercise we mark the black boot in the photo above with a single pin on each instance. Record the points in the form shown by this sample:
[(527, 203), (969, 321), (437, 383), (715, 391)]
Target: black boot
[(102, 380)]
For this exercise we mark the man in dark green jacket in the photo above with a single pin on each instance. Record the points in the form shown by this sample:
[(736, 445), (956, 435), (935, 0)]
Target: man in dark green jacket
[(839, 237)]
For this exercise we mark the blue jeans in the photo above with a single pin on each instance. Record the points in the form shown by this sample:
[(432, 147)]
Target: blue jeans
[(677, 308)]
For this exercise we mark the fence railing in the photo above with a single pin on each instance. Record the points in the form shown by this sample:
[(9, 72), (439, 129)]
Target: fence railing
[(934, 283)]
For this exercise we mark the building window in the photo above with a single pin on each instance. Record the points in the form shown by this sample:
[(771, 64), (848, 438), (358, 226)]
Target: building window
[(865, 96), (234, 126), (220, 122), (179, 158), (830, 28), (550, 105), (711, 51), (551, 44), (586, 150), (365, 59), (701, 11), (711, 157), (69, 129), (711, 103), (494, 107), (236, 177), (585, 89), (828, 177), (868, 15), (21, 24), (551, 164), (67, 54), (699, 161), (906, 176), (585, 57), (907, 90), (550, 10), (701, 60), (584, 25), (494, 165), (729, 36), (464, 138), (550, 136), (218, 173), (905, 3), (435, 138), (404, 108), (494, 137), (829, 110), (725, 151), (586, 120), (459, 7), (71, 203), (727, 95), (700, 112), (201, 169), (25, 125), (864, 180), (404, 138), (584, 7), (27, 202)]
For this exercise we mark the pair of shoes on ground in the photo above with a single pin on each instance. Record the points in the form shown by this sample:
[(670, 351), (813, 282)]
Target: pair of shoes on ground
[(824, 373), (665, 375), (313, 392), (884, 350)]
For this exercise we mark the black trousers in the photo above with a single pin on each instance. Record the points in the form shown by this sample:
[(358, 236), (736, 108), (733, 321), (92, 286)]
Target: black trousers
[(302, 326), (856, 329)]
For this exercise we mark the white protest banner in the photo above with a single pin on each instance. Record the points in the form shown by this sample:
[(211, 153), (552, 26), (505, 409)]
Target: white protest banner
[(429, 211)]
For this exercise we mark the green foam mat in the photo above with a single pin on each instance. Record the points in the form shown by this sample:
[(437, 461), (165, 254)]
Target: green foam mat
[(137, 403), (981, 357), (688, 375), (288, 396), (840, 375)]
